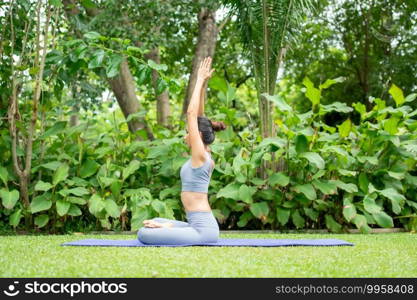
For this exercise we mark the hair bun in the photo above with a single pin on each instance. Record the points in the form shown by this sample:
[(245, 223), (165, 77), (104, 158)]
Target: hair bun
[(217, 126)]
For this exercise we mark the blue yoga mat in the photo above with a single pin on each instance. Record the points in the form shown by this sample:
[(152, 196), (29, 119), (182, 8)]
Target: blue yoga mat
[(221, 242)]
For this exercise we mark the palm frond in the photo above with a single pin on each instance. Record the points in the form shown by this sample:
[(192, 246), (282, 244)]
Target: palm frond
[(265, 27)]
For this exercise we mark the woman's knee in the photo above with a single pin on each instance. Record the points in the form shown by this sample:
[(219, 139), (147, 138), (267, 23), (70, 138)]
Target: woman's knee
[(144, 234), (210, 235)]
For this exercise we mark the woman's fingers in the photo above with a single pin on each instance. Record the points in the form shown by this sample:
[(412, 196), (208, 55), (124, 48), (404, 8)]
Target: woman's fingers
[(204, 66), (208, 61)]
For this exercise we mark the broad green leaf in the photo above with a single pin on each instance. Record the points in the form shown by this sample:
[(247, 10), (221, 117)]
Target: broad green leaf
[(397, 200), (229, 191), (335, 106), (62, 207), (144, 75), (370, 205), (76, 200), (325, 186), (268, 194), (92, 35), (373, 160), (396, 175), (53, 165), (106, 181), (319, 174), (244, 218), (363, 182), (360, 108), (113, 65), (15, 217), (410, 98), (307, 189), (41, 220), (391, 125), (349, 211), (312, 93), (345, 128), (383, 220), (95, 204), (43, 186), (134, 49), (332, 149), (279, 178), (246, 193), (329, 82), (9, 198), (40, 203), (297, 219), (314, 158), (311, 213), (260, 209), (347, 172), (397, 94), (218, 83), (78, 191), (411, 179), (361, 223), (60, 174), (64, 192), (112, 209), (115, 188), (161, 86), (88, 168), (138, 217), (332, 224), (348, 187), (97, 60), (131, 168), (301, 143), (4, 175), (74, 211), (156, 66), (283, 214), (158, 206), (58, 127), (278, 101)]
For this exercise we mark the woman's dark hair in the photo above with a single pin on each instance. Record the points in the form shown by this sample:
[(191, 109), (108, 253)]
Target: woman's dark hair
[(207, 128)]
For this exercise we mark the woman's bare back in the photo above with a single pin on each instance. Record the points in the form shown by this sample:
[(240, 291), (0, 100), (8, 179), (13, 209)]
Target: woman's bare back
[(196, 201)]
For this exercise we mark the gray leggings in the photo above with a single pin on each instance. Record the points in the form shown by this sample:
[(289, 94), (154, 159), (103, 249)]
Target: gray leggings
[(202, 227)]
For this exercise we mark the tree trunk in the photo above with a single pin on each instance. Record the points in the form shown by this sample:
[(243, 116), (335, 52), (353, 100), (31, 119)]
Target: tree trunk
[(162, 100), (122, 84), (206, 45), (23, 171), (74, 115), (123, 87), (75, 108)]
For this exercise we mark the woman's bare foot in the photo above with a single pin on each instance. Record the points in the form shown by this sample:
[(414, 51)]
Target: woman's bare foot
[(154, 224)]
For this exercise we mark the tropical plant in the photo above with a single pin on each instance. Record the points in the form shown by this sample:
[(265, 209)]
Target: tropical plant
[(267, 28)]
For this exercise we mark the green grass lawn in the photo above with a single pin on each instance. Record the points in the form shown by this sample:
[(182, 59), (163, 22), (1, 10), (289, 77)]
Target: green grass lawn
[(374, 255)]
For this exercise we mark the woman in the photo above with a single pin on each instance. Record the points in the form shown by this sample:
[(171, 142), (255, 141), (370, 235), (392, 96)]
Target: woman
[(195, 175)]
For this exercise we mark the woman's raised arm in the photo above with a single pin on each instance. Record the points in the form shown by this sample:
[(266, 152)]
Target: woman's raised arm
[(196, 104)]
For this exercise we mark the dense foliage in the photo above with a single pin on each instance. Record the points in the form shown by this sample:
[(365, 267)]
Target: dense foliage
[(348, 150)]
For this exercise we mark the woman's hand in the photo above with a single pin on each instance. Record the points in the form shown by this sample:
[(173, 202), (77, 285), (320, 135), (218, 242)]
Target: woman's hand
[(204, 71)]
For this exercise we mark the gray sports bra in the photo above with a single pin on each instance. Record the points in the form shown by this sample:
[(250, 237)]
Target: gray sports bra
[(196, 179)]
